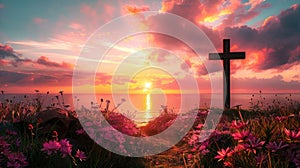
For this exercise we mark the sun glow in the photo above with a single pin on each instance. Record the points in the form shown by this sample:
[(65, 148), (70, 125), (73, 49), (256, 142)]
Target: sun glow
[(148, 85)]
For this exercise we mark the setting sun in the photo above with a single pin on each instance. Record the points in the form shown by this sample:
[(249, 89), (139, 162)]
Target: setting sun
[(148, 85)]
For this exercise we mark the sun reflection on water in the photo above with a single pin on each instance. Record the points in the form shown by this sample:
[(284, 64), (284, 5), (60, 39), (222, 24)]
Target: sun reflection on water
[(148, 115)]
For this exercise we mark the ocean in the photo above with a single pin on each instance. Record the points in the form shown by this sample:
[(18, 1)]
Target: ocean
[(143, 107)]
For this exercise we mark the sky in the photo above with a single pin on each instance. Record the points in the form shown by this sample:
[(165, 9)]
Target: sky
[(42, 43)]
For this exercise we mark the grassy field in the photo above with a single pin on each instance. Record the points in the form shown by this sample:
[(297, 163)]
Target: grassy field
[(265, 135)]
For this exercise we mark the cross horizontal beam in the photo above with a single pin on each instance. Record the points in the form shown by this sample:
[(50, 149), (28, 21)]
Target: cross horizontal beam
[(223, 56)]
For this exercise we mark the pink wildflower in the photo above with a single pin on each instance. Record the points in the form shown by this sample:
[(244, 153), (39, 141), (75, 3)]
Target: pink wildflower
[(203, 148), (281, 118), (16, 160), (10, 132), (4, 146), (238, 148), (292, 135), (227, 164), (39, 121), (55, 135), (292, 156), (273, 146), (80, 131), (241, 136), (51, 146), (204, 152), (30, 127), (260, 158), (199, 126), (254, 143), (80, 155), (66, 147), (18, 142), (189, 156), (224, 154)]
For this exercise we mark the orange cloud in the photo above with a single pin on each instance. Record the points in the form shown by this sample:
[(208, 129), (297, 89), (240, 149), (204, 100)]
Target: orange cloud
[(217, 13), (132, 9), (270, 20)]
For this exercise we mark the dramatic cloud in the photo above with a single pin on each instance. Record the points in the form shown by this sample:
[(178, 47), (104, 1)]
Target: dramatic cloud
[(10, 57), (45, 61), (277, 41), (6, 51), (193, 10), (17, 71), (133, 9), (215, 13), (33, 79), (276, 44), (239, 13)]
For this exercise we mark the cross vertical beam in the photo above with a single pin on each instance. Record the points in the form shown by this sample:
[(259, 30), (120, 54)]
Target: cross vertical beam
[(226, 78), (226, 56)]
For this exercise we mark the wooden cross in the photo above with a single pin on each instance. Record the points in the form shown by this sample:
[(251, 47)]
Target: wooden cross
[(226, 56)]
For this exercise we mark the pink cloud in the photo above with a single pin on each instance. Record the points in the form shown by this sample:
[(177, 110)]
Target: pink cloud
[(224, 13), (76, 26), (103, 79), (95, 15), (6, 51), (39, 20), (6, 48), (46, 62), (8, 57), (189, 9), (1, 6), (109, 10), (4, 62), (88, 11)]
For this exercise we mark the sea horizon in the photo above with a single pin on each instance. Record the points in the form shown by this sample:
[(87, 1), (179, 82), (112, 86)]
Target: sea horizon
[(148, 106)]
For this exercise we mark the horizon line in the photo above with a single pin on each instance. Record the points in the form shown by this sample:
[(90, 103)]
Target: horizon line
[(152, 93)]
